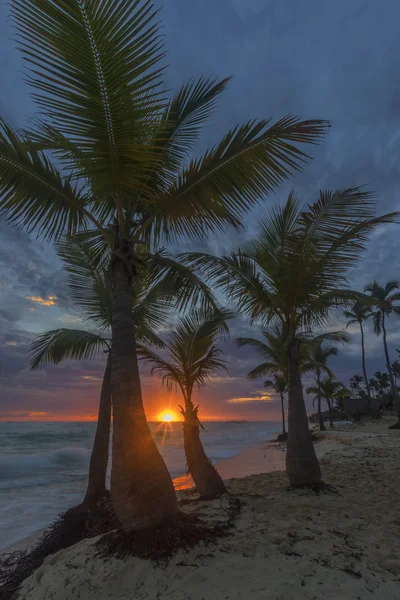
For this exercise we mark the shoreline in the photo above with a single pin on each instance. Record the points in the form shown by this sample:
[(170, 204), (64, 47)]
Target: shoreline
[(339, 544), (264, 457)]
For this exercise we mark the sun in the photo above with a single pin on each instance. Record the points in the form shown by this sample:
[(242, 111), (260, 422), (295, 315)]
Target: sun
[(167, 416)]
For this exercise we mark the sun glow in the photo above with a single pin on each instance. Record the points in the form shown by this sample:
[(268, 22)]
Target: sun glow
[(167, 416)]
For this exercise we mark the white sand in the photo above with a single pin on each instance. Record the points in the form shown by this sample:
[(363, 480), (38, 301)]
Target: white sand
[(284, 546)]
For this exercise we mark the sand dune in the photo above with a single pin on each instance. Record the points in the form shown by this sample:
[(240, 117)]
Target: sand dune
[(284, 545)]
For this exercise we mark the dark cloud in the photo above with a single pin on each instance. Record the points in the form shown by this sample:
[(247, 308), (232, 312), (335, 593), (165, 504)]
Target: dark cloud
[(335, 60)]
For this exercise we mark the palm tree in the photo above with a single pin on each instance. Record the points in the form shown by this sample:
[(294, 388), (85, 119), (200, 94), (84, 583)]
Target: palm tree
[(156, 292), (383, 382), (279, 384), (359, 313), (192, 357), (317, 362), (329, 389), (295, 273), (373, 386), (273, 351), (355, 383), (396, 371), (385, 296), (111, 157)]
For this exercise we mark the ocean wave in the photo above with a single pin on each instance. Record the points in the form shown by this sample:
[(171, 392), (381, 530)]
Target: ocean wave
[(17, 466)]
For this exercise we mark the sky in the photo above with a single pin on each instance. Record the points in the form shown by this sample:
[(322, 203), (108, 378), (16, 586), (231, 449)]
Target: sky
[(331, 60)]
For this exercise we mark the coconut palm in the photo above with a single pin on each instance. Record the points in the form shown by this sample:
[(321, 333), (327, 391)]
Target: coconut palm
[(383, 383), (111, 156), (358, 313), (158, 290), (373, 386), (192, 356), (329, 389), (317, 362), (273, 350), (355, 384), (295, 273), (279, 385), (385, 297)]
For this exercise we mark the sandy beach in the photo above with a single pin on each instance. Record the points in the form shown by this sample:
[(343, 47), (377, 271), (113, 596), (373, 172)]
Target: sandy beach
[(284, 545)]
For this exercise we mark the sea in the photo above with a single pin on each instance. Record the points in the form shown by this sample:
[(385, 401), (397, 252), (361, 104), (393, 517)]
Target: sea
[(43, 465)]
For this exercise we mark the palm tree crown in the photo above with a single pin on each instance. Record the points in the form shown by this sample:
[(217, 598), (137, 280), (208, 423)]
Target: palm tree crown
[(192, 355)]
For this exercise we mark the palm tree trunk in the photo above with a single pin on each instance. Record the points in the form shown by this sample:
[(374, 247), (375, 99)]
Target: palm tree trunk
[(206, 478), (364, 369), (330, 413), (302, 465), (396, 400), (283, 416), (96, 489), (142, 491), (320, 419)]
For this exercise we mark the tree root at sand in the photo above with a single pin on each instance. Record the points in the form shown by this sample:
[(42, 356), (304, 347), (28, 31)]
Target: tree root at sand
[(317, 488), (74, 525), (161, 543)]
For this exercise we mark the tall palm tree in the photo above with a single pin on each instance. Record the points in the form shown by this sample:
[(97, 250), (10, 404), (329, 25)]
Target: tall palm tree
[(157, 291), (111, 157), (295, 273), (385, 297), (358, 313), (279, 384), (192, 357), (318, 362), (329, 389)]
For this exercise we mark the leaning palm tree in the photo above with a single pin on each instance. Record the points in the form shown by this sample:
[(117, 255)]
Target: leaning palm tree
[(359, 313), (385, 297), (111, 156), (329, 389), (295, 273), (157, 292), (279, 384), (318, 362), (192, 356)]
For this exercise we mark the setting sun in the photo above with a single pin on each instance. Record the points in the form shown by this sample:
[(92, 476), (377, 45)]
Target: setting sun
[(167, 416)]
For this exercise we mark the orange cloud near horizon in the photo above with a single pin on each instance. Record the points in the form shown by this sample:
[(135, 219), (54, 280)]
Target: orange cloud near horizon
[(49, 301)]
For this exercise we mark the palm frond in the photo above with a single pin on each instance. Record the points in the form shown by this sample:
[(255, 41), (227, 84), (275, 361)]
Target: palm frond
[(179, 284), (89, 280), (95, 68), (51, 347), (33, 193), (248, 164)]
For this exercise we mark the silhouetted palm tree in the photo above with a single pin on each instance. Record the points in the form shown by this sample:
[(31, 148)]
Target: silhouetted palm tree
[(295, 273), (192, 356), (385, 297), (355, 384), (124, 175), (318, 363), (157, 292), (279, 384), (359, 313), (331, 390), (273, 351)]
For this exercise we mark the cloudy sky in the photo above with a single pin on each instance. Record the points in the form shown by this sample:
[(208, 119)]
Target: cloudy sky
[(316, 59)]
